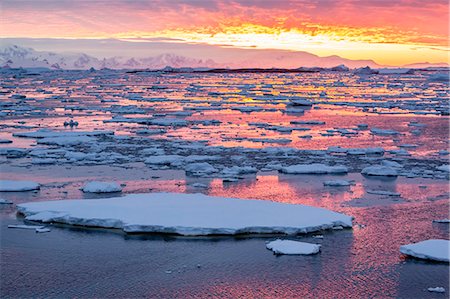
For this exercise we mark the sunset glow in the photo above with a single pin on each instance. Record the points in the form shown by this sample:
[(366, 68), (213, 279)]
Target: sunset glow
[(390, 33)]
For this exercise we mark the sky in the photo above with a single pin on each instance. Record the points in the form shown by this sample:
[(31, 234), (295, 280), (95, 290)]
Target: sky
[(386, 31)]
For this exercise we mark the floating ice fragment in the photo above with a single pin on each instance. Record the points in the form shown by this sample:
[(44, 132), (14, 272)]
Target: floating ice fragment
[(436, 290), (23, 226), (434, 249), (17, 186), (383, 192), (337, 183), (379, 170), (313, 169), (292, 247), (444, 168), (442, 221), (186, 214), (101, 187)]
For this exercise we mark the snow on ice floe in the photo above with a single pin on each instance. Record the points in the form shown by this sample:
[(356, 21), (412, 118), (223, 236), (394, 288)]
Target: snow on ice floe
[(338, 183), (444, 168), (5, 202), (17, 186), (379, 170), (315, 168), (436, 289), (200, 169), (186, 214), (434, 249), (101, 187), (292, 247)]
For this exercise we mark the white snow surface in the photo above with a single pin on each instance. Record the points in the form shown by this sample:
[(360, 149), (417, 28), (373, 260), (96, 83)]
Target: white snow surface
[(186, 214), (433, 249), (445, 168), (292, 247), (315, 168), (437, 290), (102, 187), (379, 170), (17, 186)]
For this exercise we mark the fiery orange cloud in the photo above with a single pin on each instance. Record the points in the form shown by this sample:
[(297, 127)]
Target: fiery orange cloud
[(404, 31)]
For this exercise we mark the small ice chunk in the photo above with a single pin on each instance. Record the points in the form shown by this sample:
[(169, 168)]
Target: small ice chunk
[(102, 187), (391, 164), (23, 226), (164, 160), (436, 290), (376, 131), (445, 168), (434, 249), (379, 170), (200, 169), (313, 169), (383, 192), (442, 221), (337, 183), (17, 186), (292, 247), (42, 230), (5, 201), (199, 185)]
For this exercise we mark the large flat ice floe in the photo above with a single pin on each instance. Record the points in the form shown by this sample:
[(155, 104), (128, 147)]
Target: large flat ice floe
[(434, 249), (186, 214), (17, 186)]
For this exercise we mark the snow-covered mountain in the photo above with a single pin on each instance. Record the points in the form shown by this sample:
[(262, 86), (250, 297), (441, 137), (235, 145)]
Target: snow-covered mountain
[(15, 56)]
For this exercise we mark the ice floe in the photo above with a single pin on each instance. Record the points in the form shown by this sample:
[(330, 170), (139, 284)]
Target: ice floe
[(436, 289), (101, 187), (338, 183), (314, 169), (434, 249), (379, 170), (5, 201), (292, 247), (17, 186), (186, 214)]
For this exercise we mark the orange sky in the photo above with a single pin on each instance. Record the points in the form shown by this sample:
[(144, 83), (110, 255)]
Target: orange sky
[(389, 32)]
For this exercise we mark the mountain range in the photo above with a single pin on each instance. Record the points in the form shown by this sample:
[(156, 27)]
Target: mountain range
[(15, 56)]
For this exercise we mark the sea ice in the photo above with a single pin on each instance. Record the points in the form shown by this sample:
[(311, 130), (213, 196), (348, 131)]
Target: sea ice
[(200, 169), (23, 226), (442, 221), (337, 183), (16, 186), (382, 132), (165, 160), (437, 290), (444, 168), (434, 249), (313, 169), (379, 170), (5, 201), (186, 214), (101, 187), (383, 192), (292, 247)]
